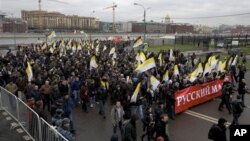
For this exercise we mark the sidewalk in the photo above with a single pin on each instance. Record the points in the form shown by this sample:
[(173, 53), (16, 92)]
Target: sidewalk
[(6, 133)]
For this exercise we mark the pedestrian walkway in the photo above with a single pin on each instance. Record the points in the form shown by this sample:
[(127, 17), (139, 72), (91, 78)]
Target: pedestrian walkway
[(8, 129)]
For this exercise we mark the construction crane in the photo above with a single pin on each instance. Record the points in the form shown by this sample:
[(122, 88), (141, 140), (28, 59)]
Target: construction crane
[(113, 7)]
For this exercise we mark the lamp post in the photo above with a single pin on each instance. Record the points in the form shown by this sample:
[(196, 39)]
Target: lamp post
[(13, 28), (145, 9), (90, 23)]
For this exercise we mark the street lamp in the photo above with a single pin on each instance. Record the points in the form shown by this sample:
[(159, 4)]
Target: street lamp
[(145, 9), (13, 27), (90, 23)]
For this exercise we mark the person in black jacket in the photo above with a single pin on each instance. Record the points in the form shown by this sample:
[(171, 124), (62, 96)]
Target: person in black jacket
[(242, 91), (149, 123), (227, 91), (170, 101), (130, 129), (162, 128), (237, 108), (218, 132)]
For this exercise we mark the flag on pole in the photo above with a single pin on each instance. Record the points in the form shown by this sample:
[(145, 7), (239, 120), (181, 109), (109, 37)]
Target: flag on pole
[(138, 41), (166, 76), (146, 65), (171, 55), (113, 62), (112, 51), (142, 57), (212, 62), (229, 62), (29, 72), (104, 48), (52, 35), (160, 59), (234, 60), (176, 70), (193, 76), (136, 92), (93, 63), (207, 69), (154, 82)]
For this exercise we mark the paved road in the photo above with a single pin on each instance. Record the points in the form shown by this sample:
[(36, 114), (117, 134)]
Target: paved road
[(7, 134), (192, 125)]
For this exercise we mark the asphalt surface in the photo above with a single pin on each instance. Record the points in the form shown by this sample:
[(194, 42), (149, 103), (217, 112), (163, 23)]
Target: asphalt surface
[(186, 126), (6, 133)]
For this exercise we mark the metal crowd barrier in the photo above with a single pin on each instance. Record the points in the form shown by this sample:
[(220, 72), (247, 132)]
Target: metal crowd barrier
[(37, 128), (49, 133)]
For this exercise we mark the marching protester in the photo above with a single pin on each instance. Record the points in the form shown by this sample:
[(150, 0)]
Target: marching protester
[(64, 129), (218, 131), (117, 114), (237, 108), (130, 129), (227, 92), (161, 128), (67, 72), (148, 124)]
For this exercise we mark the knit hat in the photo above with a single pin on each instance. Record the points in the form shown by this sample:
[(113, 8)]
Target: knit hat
[(65, 121)]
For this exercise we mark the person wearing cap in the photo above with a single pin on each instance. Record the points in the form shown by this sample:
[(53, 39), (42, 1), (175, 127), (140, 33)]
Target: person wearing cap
[(64, 129), (227, 91), (57, 118)]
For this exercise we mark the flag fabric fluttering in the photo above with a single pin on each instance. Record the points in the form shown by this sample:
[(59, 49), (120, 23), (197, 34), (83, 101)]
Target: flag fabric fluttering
[(52, 35), (142, 57), (171, 55), (207, 69), (212, 62), (176, 70), (154, 82), (234, 61), (166, 76), (199, 70), (29, 72), (104, 48), (146, 65), (160, 59), (93, 63), (138, 41), (112, 51), (136, 92)]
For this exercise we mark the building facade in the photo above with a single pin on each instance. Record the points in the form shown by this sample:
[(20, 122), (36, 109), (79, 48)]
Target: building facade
[(16, 25), (43, 20)]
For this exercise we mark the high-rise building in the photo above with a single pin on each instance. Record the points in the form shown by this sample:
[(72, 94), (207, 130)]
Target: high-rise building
[(43, 20)]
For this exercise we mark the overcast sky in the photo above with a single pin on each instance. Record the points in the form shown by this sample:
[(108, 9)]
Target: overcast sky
[(126, 11)]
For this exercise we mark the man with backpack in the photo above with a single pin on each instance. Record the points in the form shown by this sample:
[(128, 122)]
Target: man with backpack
[(218, 131)]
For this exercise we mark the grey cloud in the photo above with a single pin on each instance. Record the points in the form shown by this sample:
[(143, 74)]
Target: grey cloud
[(127, 11)]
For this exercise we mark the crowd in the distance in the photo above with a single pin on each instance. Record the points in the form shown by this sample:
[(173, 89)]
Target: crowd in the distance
[(62, 78)]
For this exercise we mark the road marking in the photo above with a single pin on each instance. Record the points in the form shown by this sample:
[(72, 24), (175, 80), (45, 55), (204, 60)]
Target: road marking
[(205, 117), (5, 113), (27, 138), (19, 130), (8, 118), (13, 125)]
